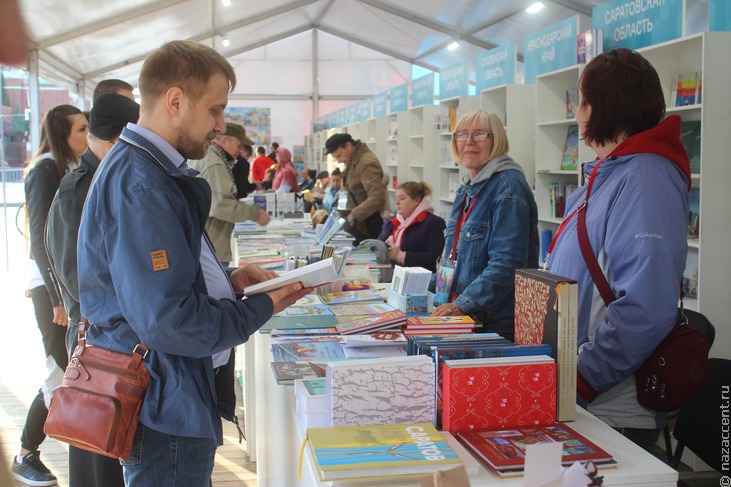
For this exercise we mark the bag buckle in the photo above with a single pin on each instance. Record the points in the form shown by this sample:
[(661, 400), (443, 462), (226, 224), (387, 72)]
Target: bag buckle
[(141, 349)]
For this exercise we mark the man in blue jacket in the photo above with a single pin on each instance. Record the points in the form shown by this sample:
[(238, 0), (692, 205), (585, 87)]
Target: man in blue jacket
[(149, 274)]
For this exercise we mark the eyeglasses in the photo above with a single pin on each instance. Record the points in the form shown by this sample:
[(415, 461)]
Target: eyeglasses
[(476, 136)]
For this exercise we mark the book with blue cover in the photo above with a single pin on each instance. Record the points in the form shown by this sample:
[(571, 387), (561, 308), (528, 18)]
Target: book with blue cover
[(322, 351)]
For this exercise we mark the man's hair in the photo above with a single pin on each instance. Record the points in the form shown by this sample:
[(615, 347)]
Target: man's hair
[(275, 145), (336, 172), (183, 64), (261, 150), (248, 149), (111, 86), (625, 95)]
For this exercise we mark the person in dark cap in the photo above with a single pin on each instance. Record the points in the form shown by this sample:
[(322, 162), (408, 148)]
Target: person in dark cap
[(109, 115), (226, 209), (364, 185)]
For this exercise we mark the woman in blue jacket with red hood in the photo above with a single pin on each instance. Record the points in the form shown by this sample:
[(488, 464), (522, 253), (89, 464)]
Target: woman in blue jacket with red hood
[(635, 205)]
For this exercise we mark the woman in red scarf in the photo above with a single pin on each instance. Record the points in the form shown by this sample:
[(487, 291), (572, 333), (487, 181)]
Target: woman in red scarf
[(415, 236), (285, 179)]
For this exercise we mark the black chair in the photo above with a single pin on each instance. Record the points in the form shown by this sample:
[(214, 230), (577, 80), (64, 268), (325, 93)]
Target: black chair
[(699, 423), (705, 328)]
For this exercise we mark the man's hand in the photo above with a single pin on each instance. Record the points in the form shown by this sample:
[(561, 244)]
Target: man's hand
[(263, 219), (288, 295), (248, 275)]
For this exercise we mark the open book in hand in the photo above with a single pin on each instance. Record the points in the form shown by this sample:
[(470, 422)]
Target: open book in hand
[(313, 275)]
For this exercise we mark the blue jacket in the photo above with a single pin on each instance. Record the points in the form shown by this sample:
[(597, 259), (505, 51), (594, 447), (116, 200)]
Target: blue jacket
[(140, 279), (499, 236), (423, 241), (637, 224)]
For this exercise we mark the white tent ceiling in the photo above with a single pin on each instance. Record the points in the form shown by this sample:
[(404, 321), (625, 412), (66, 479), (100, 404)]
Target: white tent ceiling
[(291, 48)]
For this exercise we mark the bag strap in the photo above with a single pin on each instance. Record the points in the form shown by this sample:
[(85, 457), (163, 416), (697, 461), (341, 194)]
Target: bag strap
[(139, 353)]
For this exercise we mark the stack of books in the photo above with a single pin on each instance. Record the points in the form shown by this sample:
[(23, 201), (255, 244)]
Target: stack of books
[(365, 296), (433, 325), (410, 280), (503, 451), (379, 452)]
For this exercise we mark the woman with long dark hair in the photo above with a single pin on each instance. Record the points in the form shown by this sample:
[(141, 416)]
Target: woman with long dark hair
[(63, 141)]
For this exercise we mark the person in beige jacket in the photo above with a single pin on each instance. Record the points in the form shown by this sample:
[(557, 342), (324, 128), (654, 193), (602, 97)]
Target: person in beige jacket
[(226, 209), (363, 180)]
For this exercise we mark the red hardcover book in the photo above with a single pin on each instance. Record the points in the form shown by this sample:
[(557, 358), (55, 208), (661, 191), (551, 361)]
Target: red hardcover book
[(504, 450), (498, 393), (546, 312)]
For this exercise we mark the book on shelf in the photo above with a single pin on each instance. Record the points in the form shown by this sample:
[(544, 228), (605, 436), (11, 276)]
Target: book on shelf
[(394, 318), (571, 148), (378, 452), (313, 275), (498, 393), (416, 344), (694, 216), (572, 102), (589, 44), (690, 136), (556, 199), (686, 89), (546, 312), (380, 390), (503, 451), (286, 373)]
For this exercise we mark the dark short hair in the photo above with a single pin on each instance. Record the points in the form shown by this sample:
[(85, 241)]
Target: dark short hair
[(311, 173), (275, 145), (336, 172), (416, 190), (625, 95), (261, 150), (185, 64), (111, 86)]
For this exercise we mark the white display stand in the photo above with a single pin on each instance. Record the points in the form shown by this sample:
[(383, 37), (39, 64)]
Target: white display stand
[(279, 439)]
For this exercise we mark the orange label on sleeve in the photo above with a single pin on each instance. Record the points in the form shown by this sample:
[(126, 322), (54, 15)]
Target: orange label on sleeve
[(159, 260)]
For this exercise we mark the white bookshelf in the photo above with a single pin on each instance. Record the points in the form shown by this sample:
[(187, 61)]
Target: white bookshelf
[(395, 162), (699, 52), (449, 175), (514, 105), (422, 153)]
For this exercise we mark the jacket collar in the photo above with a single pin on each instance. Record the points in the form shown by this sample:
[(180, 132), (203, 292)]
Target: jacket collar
[(89, 161), (133, 138)]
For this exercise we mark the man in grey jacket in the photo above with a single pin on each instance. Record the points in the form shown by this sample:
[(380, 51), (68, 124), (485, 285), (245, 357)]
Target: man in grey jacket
[(226, 209)]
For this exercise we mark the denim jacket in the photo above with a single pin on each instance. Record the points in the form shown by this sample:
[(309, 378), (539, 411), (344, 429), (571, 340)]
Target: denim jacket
[(499, 235)]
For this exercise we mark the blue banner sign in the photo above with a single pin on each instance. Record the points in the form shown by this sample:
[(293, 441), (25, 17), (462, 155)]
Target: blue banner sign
[(453, 80), (333, 120), (422, 91), (719, 15), (342, 117), (399, 98), (639, 23), (379, 104), (551, 48), (495, 67), (353, 113), (365, 109)]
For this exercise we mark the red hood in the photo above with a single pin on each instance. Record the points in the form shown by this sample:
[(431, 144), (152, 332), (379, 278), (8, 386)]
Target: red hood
[(663, 140)]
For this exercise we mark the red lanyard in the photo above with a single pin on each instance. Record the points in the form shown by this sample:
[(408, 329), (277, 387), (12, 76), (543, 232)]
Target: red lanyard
[(581, 207), (463, 215)]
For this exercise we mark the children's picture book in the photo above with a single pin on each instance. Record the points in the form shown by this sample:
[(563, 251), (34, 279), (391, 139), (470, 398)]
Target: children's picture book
[(304, 331), (347, 297), (379, 451), (498, 393), (694, 216), (690, 136), (322, 351), (379, 339), (504, 449), (287, 372), (380, 390), (306, 310), (685, 89), (546, 312), (360, 309), (571, 148), (368, 324)]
